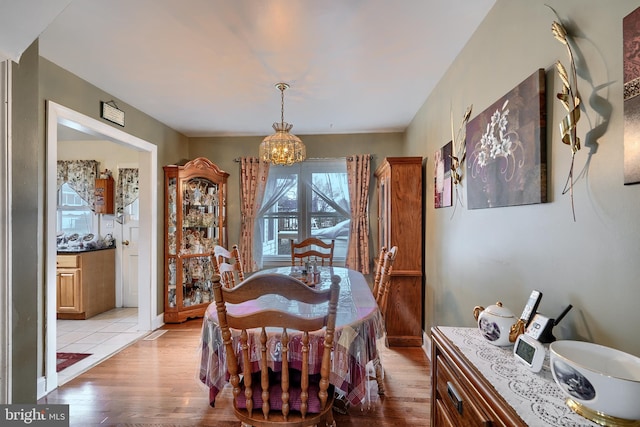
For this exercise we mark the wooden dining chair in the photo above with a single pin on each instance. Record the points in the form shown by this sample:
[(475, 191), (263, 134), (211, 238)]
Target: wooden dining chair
[(378, 270), (228, 265), (293, 395), (381, 293), (312, 249), (382, 296)]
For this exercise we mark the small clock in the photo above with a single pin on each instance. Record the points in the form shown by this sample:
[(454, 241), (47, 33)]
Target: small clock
[(529, 351)]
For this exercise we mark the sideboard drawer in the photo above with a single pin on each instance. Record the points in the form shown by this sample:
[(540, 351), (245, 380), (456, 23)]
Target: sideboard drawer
[(442, 417), (459, 403)]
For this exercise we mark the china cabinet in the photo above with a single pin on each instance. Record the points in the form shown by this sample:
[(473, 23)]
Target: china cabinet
[(399, 187), (195, 222)]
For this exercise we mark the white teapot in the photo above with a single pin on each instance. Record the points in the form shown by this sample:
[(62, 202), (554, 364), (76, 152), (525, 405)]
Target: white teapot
[(495, 323)]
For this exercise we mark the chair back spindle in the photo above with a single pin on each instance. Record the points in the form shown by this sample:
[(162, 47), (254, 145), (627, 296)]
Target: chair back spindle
[(378, 271), (228, 265), (382, 297), (306, 397)]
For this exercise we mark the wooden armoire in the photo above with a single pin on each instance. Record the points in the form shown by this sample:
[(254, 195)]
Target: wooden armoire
[(399, 186)]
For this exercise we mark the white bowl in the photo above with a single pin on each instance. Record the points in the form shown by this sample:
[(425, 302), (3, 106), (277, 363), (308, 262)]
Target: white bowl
[(603, 380)]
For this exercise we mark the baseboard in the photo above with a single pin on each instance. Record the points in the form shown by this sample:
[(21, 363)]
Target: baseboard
[(41, 387), (426, 344), (158, 322)]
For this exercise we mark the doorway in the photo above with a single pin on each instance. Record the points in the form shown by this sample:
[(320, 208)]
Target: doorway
[(147, 245)]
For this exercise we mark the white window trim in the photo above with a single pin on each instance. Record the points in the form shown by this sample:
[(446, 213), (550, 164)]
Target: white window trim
[(304, 229)]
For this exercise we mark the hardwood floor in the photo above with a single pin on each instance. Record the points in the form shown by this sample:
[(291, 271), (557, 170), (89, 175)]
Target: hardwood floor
[(154, 383)]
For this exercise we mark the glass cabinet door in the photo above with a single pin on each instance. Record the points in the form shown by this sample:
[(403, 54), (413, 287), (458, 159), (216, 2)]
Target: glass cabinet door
[(197, 272), (172, 218), (200, 216)]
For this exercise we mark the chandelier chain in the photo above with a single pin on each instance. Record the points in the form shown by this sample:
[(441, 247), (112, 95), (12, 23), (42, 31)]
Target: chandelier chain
[(282, 88)]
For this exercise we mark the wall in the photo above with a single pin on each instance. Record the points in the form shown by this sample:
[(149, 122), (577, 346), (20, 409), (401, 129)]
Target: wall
[(62, 87), (27, 213), (223, 151), (36, 80), (480, 256)]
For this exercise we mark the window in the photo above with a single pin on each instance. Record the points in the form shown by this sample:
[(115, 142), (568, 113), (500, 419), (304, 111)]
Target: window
[(307, 199), (73, 214), (132, 210)]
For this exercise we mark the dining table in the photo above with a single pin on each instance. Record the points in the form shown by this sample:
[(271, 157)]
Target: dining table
[(358, 328)]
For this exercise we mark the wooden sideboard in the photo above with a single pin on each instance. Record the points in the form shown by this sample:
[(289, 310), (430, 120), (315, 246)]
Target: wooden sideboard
[(85, 283), (474, 383), (399, 185)]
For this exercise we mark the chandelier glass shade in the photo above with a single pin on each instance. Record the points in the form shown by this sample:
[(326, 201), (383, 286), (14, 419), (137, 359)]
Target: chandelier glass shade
[(283, 147)]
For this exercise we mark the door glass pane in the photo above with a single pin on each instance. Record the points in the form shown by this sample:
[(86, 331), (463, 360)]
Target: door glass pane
[(131, 210)]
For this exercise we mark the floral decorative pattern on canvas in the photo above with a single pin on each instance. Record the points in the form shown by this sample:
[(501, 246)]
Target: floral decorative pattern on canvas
[(498, 142), (506, 146)]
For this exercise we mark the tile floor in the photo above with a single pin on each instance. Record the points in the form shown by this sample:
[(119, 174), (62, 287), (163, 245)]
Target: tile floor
[(102, 335)]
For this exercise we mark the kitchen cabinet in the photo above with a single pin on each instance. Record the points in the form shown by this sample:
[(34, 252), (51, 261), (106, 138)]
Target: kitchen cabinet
[(104, 197), (195, 222), (85, 283), (399, 188)]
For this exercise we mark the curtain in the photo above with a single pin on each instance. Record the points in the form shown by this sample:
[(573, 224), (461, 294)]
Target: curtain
[(274, 190), (127, 190), (81, 176), (358, 171), (253, 180)]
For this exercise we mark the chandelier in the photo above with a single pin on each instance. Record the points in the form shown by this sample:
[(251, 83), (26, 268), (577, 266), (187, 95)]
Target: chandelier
[(282, 148)]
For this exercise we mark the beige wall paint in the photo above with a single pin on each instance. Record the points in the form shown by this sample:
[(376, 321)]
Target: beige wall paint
[(37, 80), (222, 151), (62, 87), (27, 213), (481, 256)]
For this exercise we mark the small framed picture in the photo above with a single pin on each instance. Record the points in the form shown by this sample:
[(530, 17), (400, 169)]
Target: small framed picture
[(442, 177)]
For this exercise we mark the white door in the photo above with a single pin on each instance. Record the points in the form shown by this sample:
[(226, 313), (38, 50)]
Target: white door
[(130, 230), (129, 238)]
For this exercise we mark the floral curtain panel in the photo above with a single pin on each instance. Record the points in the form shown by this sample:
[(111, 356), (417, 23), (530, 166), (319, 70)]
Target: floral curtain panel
[(81, 176), (253, 180), (358, 173), (127, 190)]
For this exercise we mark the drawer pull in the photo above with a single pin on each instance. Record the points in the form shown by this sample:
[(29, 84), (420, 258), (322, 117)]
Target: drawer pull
[(455, 397)]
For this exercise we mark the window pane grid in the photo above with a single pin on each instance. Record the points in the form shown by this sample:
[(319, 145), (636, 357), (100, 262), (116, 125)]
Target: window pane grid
[(317, 206), (73, 213)]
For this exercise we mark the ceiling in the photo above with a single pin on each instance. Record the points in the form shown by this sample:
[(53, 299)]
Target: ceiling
[(209, 67)]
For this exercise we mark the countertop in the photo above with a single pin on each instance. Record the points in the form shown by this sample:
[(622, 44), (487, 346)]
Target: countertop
[(77, 250)]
